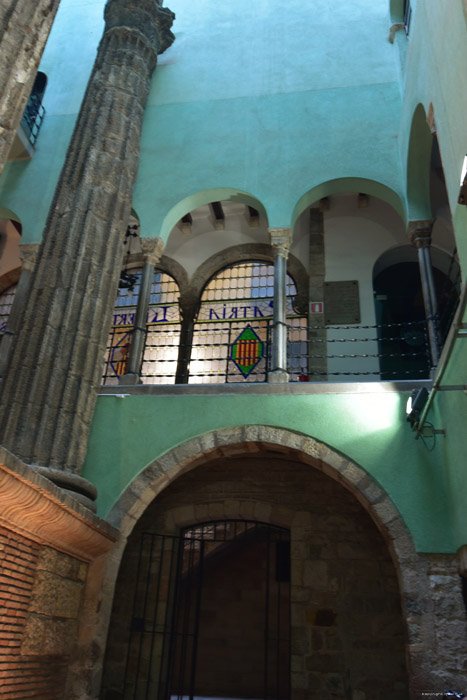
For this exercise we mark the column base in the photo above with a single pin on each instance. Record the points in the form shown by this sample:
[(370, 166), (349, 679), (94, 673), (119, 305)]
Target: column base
[(129, 380), (75, 486), (278, 376)]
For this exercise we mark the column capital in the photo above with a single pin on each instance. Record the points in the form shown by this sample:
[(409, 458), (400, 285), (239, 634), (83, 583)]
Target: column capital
[(147, 17), (419, 232), (28, 254), (188, 305), (152, 249), (281, 239)]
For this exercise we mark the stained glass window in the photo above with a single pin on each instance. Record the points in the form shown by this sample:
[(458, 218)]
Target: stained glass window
[(162, 331), (232, 337)]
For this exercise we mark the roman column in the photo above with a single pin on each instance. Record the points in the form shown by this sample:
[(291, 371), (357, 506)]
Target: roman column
[(50, 389), (24, 28), (281, 239)]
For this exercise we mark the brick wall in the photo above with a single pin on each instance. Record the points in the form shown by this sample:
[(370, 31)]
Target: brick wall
[(40, 593)]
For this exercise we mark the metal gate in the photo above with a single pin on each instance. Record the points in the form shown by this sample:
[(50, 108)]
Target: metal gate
[(177, 646)]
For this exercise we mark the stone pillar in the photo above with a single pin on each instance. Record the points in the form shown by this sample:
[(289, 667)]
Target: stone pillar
[(420, 236), (24, 28), (28, 254), (317, 367), (49, 393), (189, 307), (281, 239), (152, 251)]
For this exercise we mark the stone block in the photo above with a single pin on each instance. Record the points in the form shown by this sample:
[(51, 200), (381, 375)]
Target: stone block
[(44, 636), (55, 596), (61, 564)]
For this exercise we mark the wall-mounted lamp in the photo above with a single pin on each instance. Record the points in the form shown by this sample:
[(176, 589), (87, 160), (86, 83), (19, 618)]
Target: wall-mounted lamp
[(414, 410), (415, 405), (463, 191)]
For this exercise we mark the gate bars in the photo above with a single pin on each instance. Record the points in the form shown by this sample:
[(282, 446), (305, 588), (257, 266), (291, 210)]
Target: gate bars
[(171, 580)]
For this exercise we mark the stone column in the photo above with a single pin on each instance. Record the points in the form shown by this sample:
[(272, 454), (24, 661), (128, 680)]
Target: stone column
[(152, 252), (420, 236), (49, 393), (28, 254), (281, 239), (189, 307), (316, 317), (24, 28)]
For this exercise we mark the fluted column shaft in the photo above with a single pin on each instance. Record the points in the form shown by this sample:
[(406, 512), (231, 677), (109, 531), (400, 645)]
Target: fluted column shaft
[(50, 389), (24, 28)]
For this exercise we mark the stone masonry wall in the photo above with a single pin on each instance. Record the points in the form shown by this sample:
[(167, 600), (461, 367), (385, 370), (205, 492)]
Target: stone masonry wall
[(347, 632)]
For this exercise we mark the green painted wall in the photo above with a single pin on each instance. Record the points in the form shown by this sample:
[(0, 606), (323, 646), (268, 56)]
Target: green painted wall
[(436, 46), (272, 100), (129, 433)]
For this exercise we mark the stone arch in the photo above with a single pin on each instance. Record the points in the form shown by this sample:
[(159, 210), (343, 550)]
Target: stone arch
[(244, 253), (231, 441), (153, 480), (348, 185), (407, 253), (197, 199), (418, 167)]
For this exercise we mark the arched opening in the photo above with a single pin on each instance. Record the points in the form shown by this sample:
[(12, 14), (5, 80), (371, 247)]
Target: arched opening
[(10, 263), (400, 312), (35, 112), (162, 337), (346, 628), (232, 333)]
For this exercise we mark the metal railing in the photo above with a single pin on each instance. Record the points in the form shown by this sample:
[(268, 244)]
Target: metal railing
[(315, 353), (32, 118)]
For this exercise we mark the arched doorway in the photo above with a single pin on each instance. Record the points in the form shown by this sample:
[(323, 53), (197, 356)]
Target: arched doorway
[(346, 627)]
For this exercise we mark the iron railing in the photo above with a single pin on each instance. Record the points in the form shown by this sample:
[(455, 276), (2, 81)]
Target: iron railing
[(315, 353), (32, 118)]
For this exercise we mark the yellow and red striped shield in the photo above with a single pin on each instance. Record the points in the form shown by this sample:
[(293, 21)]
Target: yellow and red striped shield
[(247, 350)]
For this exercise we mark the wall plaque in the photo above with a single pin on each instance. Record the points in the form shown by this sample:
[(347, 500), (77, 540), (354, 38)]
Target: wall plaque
[(341, 302)]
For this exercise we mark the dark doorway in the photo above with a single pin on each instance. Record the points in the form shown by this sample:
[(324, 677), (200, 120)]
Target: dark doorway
[(211, 615), (400, 311)]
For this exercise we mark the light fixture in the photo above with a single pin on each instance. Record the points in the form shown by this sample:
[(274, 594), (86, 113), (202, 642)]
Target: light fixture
[(463, 184), (415, 405)]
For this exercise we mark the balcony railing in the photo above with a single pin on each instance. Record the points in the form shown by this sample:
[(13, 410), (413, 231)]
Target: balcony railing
[(315, 353), (32, 118)]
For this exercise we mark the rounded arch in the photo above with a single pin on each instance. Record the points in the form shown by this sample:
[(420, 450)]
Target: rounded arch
[(243, 439), (198, 199), (418, 167), (6, 213), (408, 253), (346, 185), (244, 253), (262, 439)]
